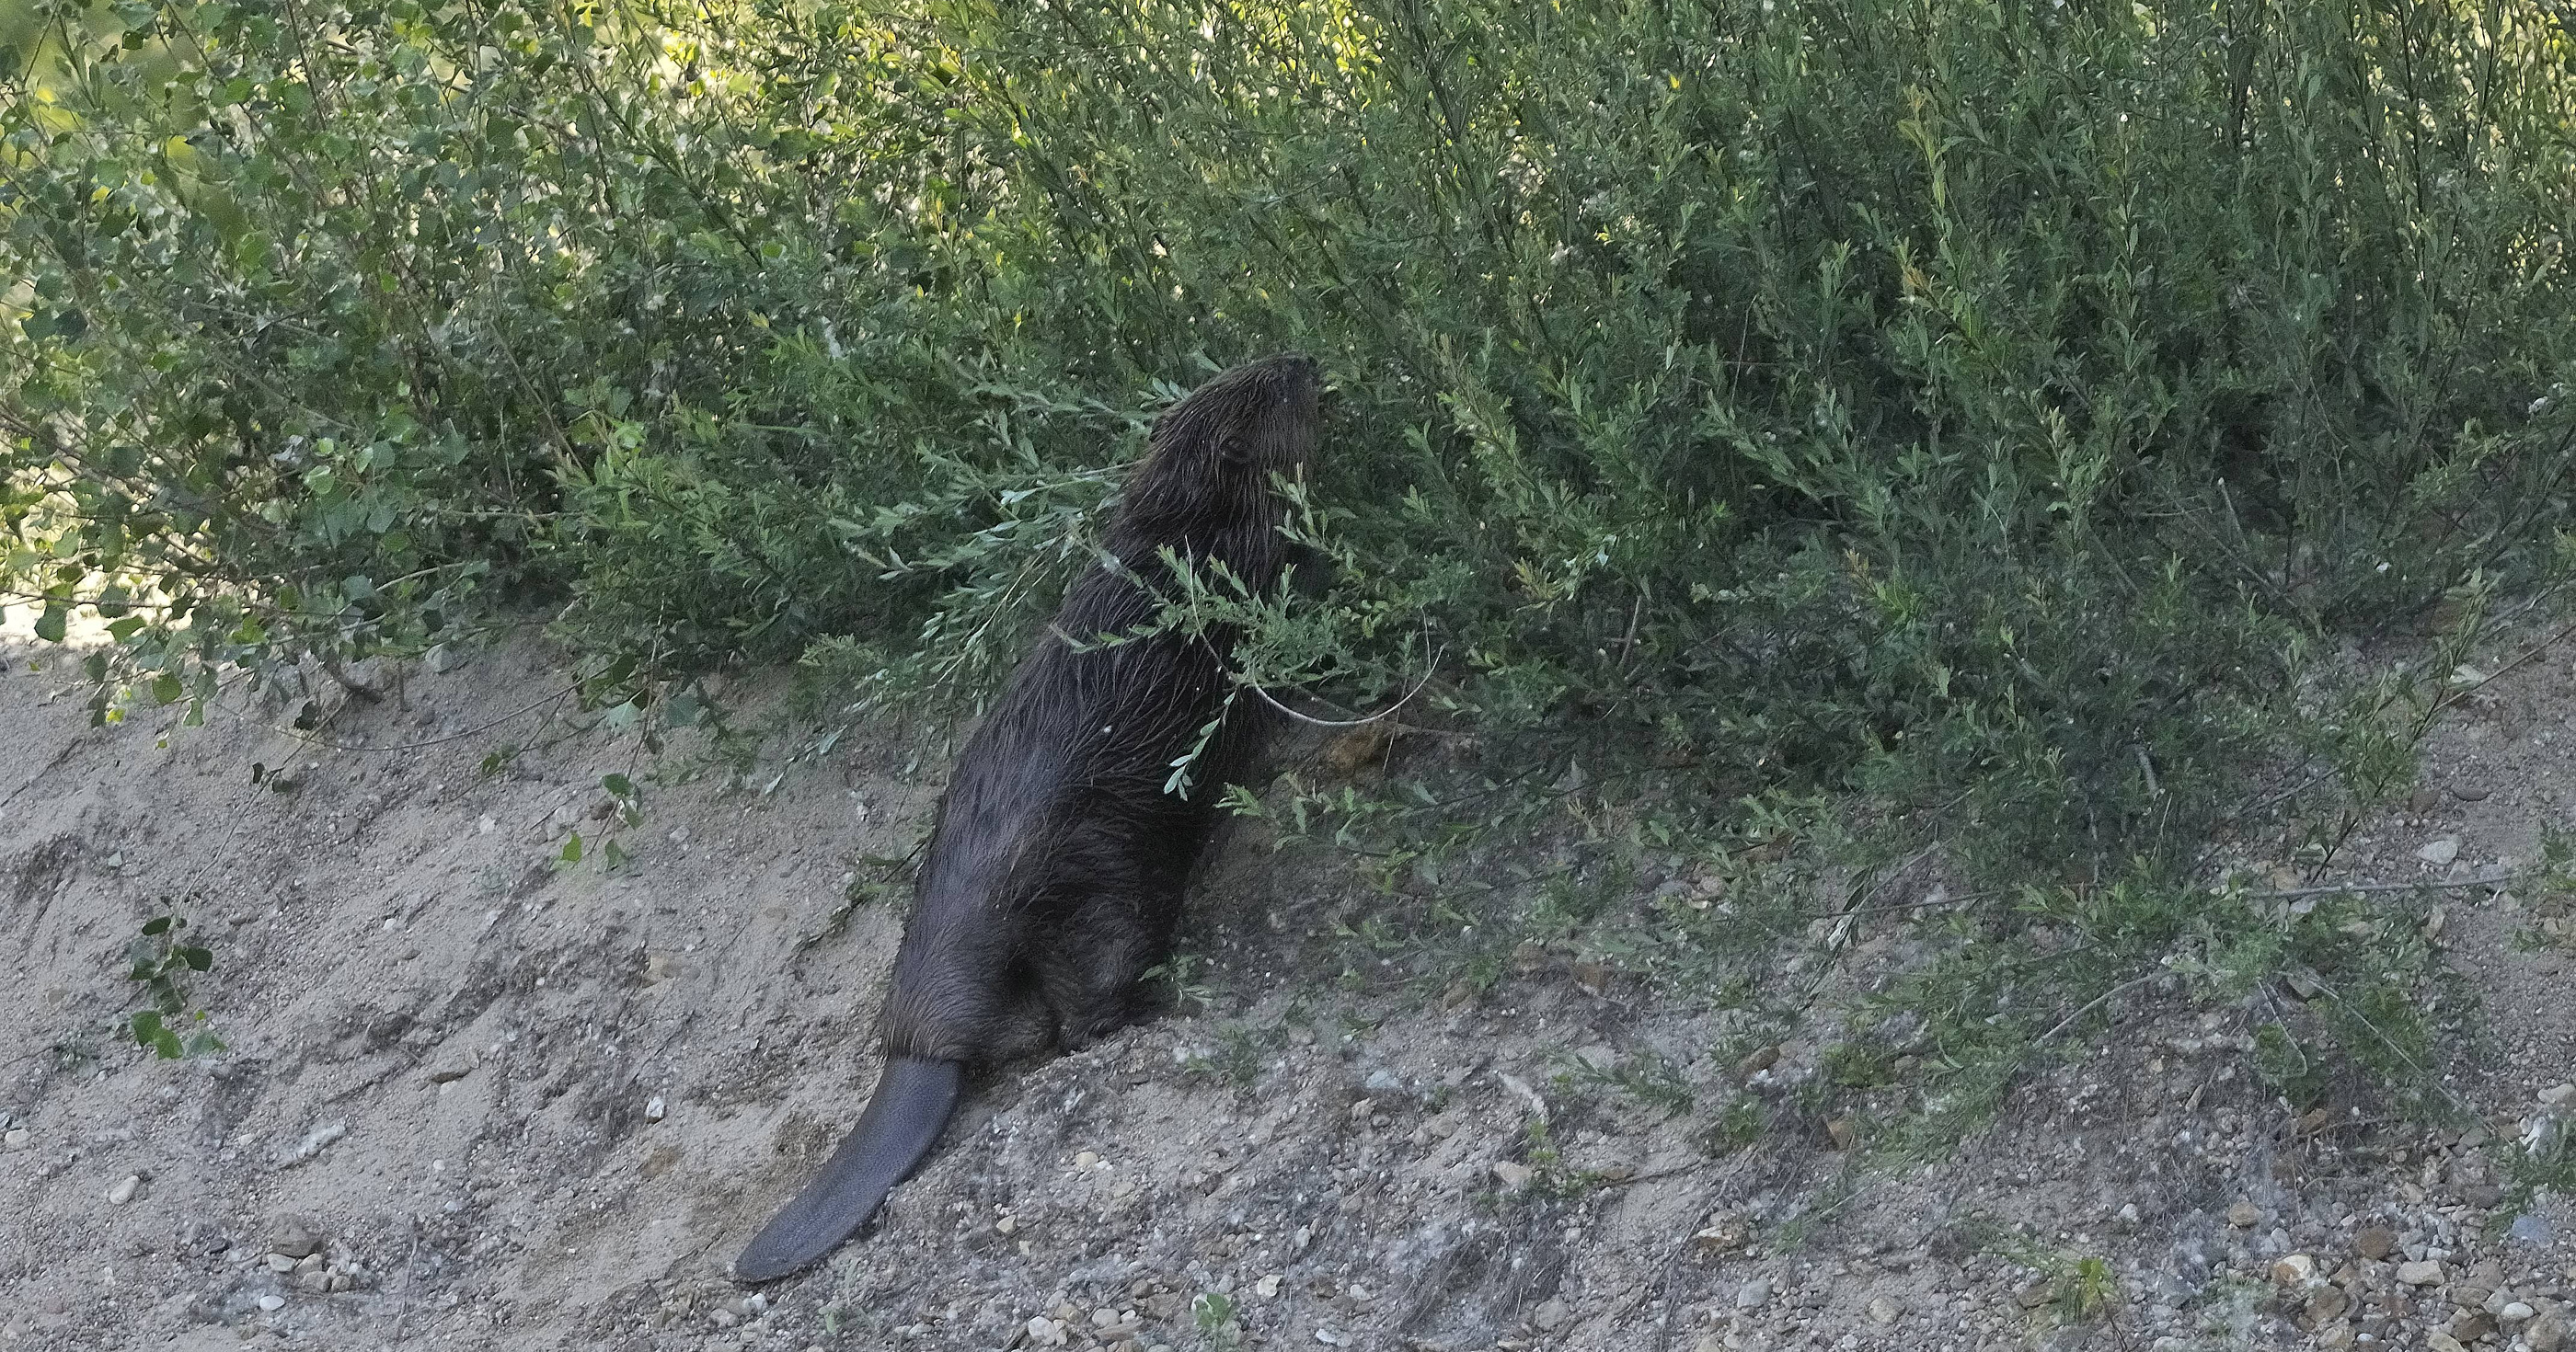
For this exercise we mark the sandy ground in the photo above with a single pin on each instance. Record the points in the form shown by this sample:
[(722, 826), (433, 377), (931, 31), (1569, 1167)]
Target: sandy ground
[(475, 1097)]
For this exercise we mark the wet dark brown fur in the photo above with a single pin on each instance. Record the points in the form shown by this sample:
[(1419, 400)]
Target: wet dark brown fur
[(1055, 872)]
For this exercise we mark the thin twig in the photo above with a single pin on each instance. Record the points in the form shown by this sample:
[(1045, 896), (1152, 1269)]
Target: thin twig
[(1387, 712), (2526, 655), (1860, 903), (364, 692), (2400, 1052), (2294, 790), (329, 745), (2095, 1003), (2446, 701), (49, 767), (1921, 903), (2444, 885), (1675, 1171)]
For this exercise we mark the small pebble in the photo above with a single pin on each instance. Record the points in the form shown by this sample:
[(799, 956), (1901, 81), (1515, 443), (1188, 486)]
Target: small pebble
[(2244, 1215), (2420, 1273), (294, 1240), (124, 1189), (272, 1304), (14, 1139), (1883, 1310), (1753, 1295), (654, 1109), (1723, 1234), (2439, 851)]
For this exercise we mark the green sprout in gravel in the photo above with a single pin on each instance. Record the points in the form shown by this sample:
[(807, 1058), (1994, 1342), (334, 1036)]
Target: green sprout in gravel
[(161, 960)]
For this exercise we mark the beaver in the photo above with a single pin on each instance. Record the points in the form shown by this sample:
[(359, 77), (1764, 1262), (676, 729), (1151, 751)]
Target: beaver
[(1061, 846)]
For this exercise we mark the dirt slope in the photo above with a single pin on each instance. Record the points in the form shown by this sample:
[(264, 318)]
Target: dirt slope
[(505, 1102)]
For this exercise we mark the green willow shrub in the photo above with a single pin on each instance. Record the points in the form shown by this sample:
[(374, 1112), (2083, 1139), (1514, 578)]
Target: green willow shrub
[(1982, 404)]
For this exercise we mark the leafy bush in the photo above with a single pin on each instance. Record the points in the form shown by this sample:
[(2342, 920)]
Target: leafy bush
[(1989, 407)]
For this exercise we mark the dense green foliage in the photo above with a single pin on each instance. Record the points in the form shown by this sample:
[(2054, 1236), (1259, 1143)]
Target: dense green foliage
[(1983, 405)]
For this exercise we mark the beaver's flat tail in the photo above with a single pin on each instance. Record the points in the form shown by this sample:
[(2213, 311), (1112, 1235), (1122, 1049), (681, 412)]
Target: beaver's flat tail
[(913, 1098)]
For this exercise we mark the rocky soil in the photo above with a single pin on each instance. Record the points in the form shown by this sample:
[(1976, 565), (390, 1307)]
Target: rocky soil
[(475, 1095)]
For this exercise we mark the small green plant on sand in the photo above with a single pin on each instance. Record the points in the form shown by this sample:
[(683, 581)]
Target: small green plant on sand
[(1213, 1312), (161, 960), (2077, 1287)]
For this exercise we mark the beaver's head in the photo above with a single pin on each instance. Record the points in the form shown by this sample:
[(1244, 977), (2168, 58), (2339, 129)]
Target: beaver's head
[(1241, 427)]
